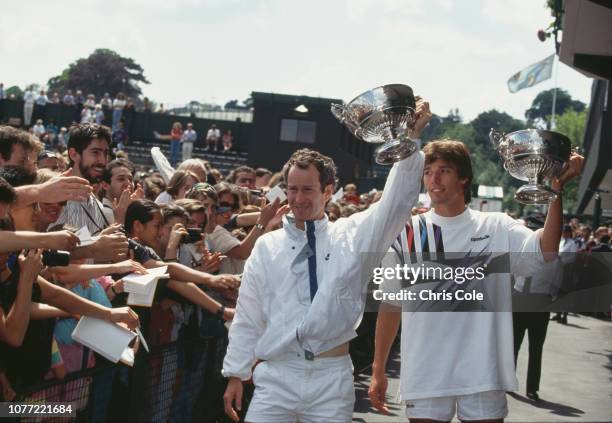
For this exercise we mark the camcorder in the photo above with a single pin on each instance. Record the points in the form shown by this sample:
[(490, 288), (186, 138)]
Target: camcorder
[(193, 235), (54, 258)]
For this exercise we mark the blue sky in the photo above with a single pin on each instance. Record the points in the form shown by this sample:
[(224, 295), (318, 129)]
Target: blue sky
[(454, 53)]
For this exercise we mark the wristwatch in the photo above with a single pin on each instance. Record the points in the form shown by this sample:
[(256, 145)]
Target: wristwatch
[(221, 311)]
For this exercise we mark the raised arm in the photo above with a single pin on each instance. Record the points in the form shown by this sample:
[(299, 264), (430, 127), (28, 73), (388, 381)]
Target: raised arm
[(73, 304), (14, 322), (22, 240)]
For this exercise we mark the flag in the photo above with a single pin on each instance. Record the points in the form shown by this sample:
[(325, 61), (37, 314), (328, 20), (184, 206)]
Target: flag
[(531, 75)]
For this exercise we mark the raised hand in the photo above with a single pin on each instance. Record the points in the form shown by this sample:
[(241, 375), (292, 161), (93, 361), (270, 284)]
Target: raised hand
[(422, 117), (60, 240)]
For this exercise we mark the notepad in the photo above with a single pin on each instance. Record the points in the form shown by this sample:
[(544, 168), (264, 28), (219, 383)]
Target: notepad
[(276, 192), (108, 339), (141, 288)]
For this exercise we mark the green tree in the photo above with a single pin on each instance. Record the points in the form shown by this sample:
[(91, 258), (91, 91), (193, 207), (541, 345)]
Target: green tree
[(482, 125), (103, 71), (572, 124), (14, 90), (541, 108), (439, 124)]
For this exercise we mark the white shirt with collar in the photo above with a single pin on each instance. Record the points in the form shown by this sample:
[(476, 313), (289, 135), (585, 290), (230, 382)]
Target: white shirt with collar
[(275, 318)]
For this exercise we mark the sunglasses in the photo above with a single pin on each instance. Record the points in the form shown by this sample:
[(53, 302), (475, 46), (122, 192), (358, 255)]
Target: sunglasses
[(224, 208)]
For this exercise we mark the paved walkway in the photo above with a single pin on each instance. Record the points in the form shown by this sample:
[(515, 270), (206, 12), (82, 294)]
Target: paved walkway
[(576, 383)]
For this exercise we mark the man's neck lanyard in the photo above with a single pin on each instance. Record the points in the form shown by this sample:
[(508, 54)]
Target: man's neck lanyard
[(91, 219)]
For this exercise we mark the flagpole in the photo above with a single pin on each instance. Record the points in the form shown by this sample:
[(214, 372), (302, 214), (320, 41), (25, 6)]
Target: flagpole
[(554, 101)]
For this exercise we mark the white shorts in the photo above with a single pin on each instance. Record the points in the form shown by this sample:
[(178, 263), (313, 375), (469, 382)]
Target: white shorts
[(478, 406), (300, 390)]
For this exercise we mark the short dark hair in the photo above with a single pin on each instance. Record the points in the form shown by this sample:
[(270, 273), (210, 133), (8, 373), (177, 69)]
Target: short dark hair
[(82, 134), (108, 172), (17, 176), (153, 186), (202, 189), (7, 192), (10, 136), (262, 171), (240, 169), (169, 211), (456, 153), (224, 188), (305, 157), (141, 211)]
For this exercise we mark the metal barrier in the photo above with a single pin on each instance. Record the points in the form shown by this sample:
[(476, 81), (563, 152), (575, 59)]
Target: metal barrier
[(177, 382)]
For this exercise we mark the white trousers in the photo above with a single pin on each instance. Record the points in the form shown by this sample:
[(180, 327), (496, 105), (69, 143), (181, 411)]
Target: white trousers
[(27, 113), (187, 150), (306, 391)]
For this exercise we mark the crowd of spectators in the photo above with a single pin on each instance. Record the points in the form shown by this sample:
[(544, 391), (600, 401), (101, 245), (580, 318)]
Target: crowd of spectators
[(201, 224), (109, 111)]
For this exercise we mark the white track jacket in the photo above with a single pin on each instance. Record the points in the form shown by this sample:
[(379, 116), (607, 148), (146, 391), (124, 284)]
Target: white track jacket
[(275, 319)]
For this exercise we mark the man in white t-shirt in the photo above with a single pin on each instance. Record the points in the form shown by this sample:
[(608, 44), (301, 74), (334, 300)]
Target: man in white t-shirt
[(190, 136), (212, 137), (460, 362)]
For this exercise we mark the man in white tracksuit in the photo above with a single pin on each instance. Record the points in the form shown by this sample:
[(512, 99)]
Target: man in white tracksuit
[(302, 294), (460, 362)]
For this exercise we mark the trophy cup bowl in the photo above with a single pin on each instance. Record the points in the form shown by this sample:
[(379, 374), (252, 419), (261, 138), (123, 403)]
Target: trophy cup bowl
[(382, 115), (535, 156)]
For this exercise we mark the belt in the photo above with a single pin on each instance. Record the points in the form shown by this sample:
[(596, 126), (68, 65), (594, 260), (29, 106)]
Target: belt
[(340, 350)]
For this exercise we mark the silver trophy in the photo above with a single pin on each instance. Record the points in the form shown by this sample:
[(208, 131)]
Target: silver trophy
[(535, 156), (382, 115)]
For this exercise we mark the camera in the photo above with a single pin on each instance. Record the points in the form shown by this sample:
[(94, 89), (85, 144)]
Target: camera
[(55, 258), (193, 235)]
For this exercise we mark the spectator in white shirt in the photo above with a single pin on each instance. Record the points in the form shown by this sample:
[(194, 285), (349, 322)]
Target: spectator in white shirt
[(28, 105), (212, 137), (189, 138)]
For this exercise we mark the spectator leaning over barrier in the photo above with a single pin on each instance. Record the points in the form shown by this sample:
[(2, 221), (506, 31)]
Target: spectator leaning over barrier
[(88, 152), (143, 223), (31, 340), (18, 148), (222, 241)]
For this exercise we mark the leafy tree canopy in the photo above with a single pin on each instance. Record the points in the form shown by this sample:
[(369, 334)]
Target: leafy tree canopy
[(541, 108), (104, 71)]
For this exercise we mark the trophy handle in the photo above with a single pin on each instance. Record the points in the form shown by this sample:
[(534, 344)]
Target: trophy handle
[(338, 111), (496, 137)]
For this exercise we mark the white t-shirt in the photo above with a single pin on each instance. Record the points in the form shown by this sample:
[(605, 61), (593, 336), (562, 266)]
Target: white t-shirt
[(460, 353), (221, 240)]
